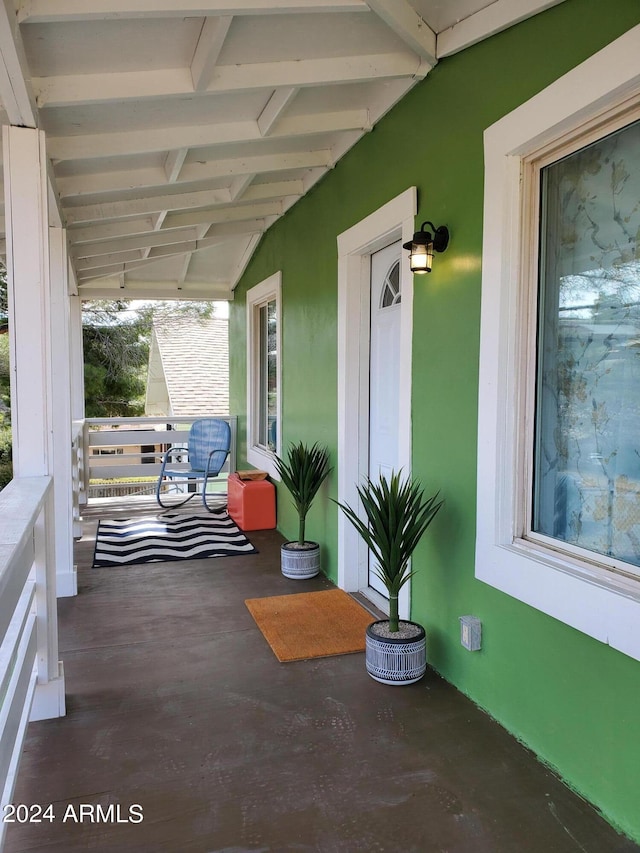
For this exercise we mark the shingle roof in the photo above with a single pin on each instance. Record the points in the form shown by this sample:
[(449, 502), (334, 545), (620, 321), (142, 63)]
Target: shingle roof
[(194, 355)]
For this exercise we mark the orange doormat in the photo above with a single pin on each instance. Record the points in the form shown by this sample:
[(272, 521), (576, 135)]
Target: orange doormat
[(311, 624)]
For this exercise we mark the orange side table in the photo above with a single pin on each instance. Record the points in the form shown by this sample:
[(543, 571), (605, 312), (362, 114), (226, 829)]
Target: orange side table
[(251, 503)]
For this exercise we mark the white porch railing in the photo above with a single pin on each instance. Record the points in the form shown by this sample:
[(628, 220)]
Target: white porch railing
[(123, 449), (79, 492), (31, 678)]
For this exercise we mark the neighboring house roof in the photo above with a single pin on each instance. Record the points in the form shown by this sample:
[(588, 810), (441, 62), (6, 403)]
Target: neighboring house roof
[(188, 367)]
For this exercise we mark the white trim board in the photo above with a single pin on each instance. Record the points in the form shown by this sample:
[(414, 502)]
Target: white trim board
[(393, 221), (598, 603), (270, 288)]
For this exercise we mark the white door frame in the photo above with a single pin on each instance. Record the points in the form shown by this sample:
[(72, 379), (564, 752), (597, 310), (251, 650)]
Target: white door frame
[(393, 221)]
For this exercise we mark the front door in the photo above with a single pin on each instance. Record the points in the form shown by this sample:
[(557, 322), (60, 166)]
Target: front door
[(384, 372)]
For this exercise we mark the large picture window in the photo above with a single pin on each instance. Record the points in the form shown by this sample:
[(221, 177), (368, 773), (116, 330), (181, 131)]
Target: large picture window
[(558, 499), (263, 381), (586, 478)]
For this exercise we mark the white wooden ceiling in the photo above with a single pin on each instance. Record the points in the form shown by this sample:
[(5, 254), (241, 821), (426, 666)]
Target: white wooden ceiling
[(179, 130)]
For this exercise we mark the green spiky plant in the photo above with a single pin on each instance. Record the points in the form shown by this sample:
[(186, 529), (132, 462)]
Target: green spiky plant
[(303, 472), (397, 516)]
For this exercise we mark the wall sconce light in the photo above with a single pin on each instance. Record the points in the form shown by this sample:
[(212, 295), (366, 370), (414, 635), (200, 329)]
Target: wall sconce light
[(424, 244)]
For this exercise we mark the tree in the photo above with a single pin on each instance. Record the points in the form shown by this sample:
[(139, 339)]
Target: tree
[(116, 337), (116, 352)]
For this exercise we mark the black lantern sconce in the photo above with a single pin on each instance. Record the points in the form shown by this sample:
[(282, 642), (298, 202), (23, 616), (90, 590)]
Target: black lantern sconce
[(424, 244)]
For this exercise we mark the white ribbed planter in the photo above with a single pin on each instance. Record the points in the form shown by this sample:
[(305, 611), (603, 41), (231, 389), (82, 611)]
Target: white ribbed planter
[(392, 660), (300, 563)]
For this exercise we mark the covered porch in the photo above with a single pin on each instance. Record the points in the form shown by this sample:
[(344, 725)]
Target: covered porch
[(156, 150), (176, 704)]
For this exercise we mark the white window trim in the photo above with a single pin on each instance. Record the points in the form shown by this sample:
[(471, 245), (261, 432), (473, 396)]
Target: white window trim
[(269, 289), (580, 593)]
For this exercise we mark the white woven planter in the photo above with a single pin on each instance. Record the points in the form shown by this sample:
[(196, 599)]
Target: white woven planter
[(393, 660), (300, 563)]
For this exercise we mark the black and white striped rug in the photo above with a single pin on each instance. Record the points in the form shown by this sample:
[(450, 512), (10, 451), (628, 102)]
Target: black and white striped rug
[(168, 537)]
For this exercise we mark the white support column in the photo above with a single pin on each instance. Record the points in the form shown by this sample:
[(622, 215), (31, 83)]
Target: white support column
[(27, 229), (77, 359), (77, 390), (66, 577)]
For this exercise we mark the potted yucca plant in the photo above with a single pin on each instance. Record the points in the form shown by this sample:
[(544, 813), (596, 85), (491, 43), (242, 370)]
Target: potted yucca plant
[(397, 515), (302, 472)]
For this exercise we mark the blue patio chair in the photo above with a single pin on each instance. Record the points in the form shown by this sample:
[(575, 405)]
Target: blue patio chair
[(206, 452)]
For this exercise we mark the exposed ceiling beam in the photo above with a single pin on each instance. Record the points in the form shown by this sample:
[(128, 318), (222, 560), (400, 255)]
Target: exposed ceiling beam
[(146, 204), (229, 214), (495, 18), (241, 184), (275, 107), (100, 88), (108, 287), (198, 136), (407, 23), (203, 65), (117, 258), (184, 236), (241, 265), (138, 241), (157, 177), (177, 202), (111, 230), (141, 229), (43, 11), (173, 164), (180, 279), (275, 189), (15, 93)]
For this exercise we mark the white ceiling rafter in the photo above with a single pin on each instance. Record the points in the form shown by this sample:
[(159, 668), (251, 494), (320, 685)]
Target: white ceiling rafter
[(192, 173), (118, 87), (244, 259), (139, 241), (111, 230), (43, 11), (102, 244), (154, 288), (242, 183), (494, 18), (178, 202), (275, 108), (148, 204), (172, 165), (96, 146), (15, 93), (220, 215), (118, 258), (214, 32), (409, 25)]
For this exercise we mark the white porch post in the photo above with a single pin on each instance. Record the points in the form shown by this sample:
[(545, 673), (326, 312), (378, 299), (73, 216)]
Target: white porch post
[(77, 359), (27, 229), (66, 577), (76, 355)]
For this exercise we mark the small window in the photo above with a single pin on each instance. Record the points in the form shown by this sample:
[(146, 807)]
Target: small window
[(391, 290), (263, 381)]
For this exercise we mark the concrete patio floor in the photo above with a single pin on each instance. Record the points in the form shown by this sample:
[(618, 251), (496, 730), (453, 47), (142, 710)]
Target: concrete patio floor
[(176, 704)]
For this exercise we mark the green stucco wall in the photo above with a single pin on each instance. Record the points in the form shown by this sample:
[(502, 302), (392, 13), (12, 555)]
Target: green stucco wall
[(573, 700)]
